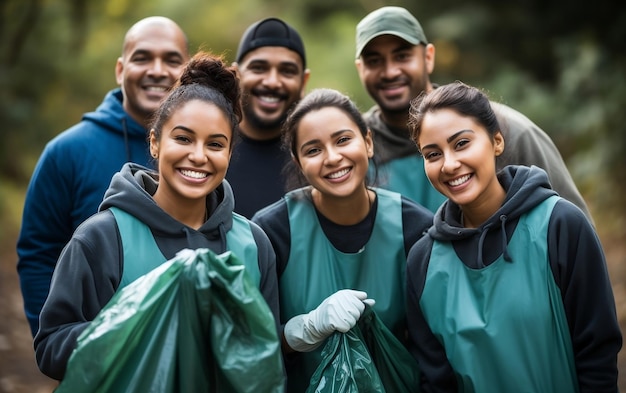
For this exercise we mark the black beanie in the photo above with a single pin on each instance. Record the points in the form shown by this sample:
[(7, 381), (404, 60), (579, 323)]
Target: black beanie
[(271, 32)]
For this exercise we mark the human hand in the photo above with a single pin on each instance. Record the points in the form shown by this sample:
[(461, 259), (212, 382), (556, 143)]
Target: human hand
[(338, 312)]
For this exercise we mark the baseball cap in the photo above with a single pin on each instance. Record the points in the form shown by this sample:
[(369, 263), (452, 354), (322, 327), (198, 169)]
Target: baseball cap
[(270, 32), (389, 20)]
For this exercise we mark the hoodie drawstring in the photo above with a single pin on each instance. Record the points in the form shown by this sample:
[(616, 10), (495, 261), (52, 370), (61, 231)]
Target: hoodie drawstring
[(222, 236), (505, 252), (189, 233), (481, 241)]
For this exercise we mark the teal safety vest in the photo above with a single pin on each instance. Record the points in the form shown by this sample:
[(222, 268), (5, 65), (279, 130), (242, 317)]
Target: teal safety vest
[(503, 327), (406, 175), (142, 254), (316, 269)]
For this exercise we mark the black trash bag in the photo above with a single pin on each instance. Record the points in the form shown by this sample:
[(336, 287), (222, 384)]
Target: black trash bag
[(368, 358), (197, 323)]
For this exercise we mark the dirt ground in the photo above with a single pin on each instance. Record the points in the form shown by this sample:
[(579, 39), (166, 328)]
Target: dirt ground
[(18, 370), (19, 373)]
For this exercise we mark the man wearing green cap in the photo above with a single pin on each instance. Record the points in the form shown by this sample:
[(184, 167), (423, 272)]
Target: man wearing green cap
[(394, 61)]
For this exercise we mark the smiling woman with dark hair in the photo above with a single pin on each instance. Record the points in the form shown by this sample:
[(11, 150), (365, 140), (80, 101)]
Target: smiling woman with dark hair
[(340, 244), (509, 291), (147, 217)]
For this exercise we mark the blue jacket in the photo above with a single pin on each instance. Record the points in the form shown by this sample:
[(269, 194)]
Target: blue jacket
[(67, 186)]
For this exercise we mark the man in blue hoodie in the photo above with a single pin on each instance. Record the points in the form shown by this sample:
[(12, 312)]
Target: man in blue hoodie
[(76, 167)]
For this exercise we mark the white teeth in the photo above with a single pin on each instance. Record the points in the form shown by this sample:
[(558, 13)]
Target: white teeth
[(194, 174), (156, 88), (459, 181), (270, 99), (338, 174)]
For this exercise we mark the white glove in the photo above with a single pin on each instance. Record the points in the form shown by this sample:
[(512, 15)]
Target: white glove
[(338, 312)]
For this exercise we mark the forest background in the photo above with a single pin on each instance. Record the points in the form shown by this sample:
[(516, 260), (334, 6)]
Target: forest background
[(562, 63)]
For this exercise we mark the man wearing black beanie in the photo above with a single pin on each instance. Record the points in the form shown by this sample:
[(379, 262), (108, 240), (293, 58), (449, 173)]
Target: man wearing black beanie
[(272, 65)]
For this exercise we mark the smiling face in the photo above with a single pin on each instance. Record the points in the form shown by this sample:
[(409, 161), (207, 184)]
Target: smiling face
[(459, 159), (154, 55), (394, 71), (193, 154), (272, 80), (332, 153)]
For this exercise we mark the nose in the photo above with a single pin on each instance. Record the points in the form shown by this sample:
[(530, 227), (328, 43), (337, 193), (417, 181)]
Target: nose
[(271, 79), (390, 70), (450, 164), (332, 157), (197, 154), (157, 69)]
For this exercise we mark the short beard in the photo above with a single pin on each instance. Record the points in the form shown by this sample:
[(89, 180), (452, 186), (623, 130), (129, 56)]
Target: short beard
[(260, 124), (395, 110)]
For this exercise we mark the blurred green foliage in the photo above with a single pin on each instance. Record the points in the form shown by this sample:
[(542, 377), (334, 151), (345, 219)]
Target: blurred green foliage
[(563, 64)]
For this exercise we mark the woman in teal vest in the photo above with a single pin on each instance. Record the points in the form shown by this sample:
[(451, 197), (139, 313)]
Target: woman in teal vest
[(339, 243), (509, 291), (147, 217)]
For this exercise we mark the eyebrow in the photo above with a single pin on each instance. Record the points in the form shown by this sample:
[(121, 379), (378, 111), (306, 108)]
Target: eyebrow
[(334, 134), (189, 130), (401, 47), (449, 139), (281, 63), (147, 52)]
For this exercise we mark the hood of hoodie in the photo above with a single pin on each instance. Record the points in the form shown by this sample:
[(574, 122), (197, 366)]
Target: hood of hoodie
[(110, 115), (525, 187), (132, 188)]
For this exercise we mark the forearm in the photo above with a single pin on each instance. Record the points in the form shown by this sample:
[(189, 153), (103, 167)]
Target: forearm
[(53, 348), (579, 267), (45, 230), (34, 285), (85, 279), (436, 372)]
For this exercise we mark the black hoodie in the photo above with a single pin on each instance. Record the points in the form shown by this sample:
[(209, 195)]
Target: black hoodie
[(576, 261), (90, 267)]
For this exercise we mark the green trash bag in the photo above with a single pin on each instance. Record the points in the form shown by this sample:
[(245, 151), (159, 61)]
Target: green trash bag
[(197, 323), (367, 358), (397, 368), (346, 366)]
